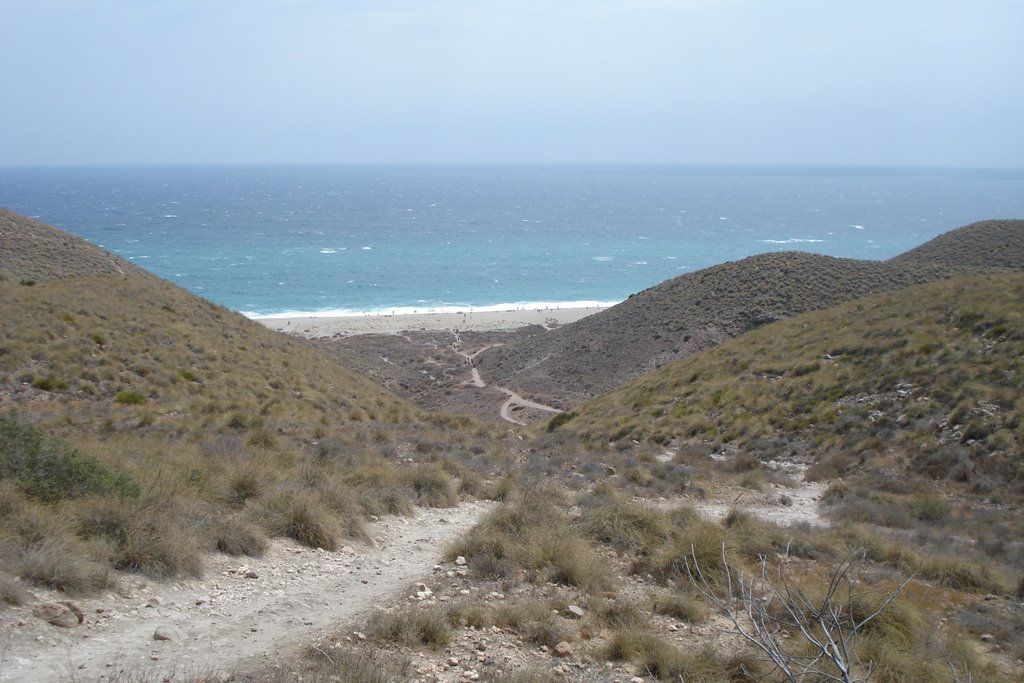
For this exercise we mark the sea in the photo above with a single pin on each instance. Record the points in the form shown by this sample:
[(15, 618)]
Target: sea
[(340, 240)]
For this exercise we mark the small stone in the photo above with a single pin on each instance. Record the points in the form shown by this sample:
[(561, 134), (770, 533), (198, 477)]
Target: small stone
[(574, 612), (453, 661), (154, 602), (251, 575), (987, 637), (169, 633), (460, 561), (990, 597), (563, 649)]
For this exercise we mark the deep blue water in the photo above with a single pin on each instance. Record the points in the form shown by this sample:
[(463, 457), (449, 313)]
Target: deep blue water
[(271, 240)]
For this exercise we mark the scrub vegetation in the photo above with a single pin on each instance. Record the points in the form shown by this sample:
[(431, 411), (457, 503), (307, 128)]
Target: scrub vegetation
[(142, 428)]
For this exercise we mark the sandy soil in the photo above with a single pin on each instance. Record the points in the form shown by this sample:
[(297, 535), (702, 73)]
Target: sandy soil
[(317, 326), (244, 611)]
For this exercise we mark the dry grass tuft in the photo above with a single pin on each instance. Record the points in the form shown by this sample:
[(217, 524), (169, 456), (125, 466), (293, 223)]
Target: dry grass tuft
[(413, 627)]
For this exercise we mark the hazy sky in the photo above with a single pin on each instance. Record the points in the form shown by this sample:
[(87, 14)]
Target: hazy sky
[(905, 82)]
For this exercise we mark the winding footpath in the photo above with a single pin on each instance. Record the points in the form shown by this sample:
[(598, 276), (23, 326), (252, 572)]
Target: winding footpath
[(514, 401), (246, 611)]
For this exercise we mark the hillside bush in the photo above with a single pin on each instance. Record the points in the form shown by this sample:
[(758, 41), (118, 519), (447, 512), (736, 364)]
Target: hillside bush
[(48, 469)]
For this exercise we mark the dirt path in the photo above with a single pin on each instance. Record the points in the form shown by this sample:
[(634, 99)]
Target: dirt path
[(514, 401), (245, 608)]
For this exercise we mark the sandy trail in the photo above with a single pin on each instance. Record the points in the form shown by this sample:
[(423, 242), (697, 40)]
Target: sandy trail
[(246, 609), (514, 401)]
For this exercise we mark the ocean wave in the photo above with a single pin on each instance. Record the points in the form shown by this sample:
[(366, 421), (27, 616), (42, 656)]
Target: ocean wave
[(604, 259), (793, 240), (431, 310)]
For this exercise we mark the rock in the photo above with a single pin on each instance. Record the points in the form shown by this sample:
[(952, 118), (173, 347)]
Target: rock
[(251, 575), (574, 612), (460, 561), (154, 602), (563, 649), (62, 614), (169, 633), (987, 637)]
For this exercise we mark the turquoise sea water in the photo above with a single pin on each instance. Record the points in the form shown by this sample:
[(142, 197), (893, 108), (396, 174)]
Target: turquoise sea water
[(305, 240)]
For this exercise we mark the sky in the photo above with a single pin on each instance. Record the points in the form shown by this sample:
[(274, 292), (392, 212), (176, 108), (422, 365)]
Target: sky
[(834, 82)]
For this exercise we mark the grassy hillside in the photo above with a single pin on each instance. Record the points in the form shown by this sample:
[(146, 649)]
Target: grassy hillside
[(934, 368), (697, 311), (34, 252), (141, 425)]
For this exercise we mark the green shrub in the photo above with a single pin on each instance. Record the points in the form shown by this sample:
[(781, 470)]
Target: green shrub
[(45, 383), (49, 470), (129, 398)]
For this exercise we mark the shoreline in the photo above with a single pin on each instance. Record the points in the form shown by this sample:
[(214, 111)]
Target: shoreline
[(469, 320)]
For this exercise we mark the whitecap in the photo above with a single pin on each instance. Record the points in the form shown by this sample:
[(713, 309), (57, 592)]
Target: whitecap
[(328, 251), (638, 263), (603, 258), (367, 248), (170, 215), (858, 227), (793, 240)]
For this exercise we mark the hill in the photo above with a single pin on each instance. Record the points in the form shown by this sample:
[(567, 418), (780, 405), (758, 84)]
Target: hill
[(928, 379), (36, 252), (697, 311), (141, 425)]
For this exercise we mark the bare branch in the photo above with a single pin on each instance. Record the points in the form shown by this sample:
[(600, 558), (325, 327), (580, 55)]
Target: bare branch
[(830, 627)]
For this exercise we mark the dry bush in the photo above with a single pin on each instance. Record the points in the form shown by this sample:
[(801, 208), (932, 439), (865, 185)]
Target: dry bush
[(433, 486), (412, 627), (625, 525), (150, 536), (534, 621), (62, 563), (12, 592), (665, 662), (302, 516), (532, 535), (679, 605), (236, 536)]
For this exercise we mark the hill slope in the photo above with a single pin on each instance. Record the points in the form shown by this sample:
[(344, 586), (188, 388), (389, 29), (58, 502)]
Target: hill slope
[(34, 251), (930, 378), (699, 310), (141, 425)]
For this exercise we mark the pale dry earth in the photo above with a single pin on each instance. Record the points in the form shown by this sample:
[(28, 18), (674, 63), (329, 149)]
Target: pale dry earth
[(243, 612)]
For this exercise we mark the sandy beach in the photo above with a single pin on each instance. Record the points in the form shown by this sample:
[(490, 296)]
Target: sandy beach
[(326, 326)]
